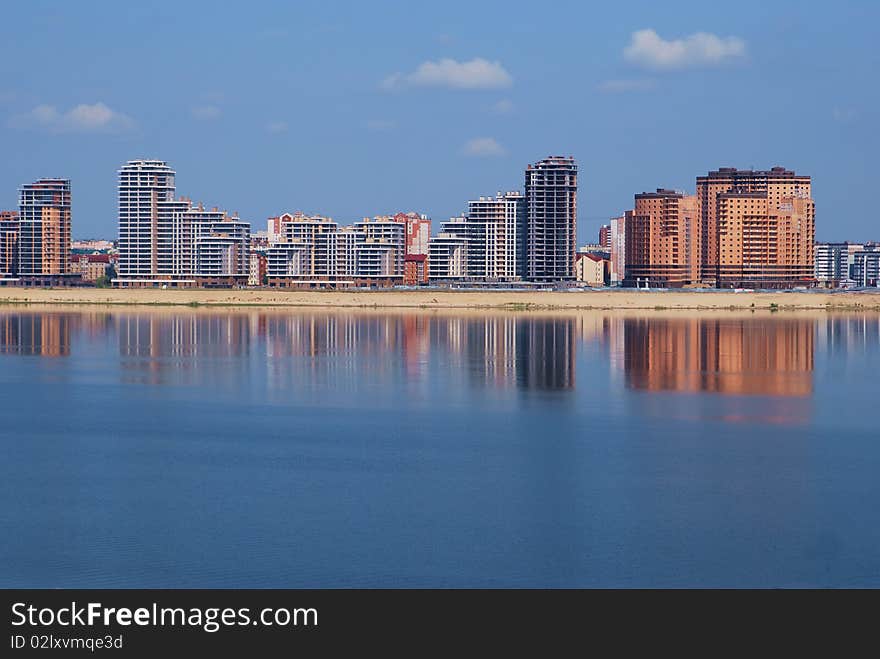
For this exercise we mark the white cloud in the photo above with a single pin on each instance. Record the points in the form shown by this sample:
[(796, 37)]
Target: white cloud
[(483, 147), (83, 118), (844, 115), (477, 73), (380, 125), (205, 112), (649, 49), (277, 127), (622, 86), (504, 106)]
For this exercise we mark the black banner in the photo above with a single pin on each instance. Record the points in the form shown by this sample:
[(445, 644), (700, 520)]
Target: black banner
[(132, 622)]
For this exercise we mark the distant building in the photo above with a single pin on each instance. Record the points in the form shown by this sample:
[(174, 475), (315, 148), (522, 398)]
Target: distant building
[(496, 237), (222, 250), (417, 232), (146, 187), (275, 226), (90, 266), (259, 241), (415, 269), (866, 267), (593, 248), (833, 263), (9, 228), (315, 252), (662, 249), (380, 255), (590, 269), (757, 228), (44, 228), (448, 258), (551, 209), (257, 265), (173, 242), (605, 236), (85, 246), (618, 247)]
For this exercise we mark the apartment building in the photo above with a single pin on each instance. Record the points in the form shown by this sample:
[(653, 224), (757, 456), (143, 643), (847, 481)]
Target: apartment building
[(257, 269), (618, 248), (662, 240), (380, 255), (417, 232), (496, 228), (9, 228), (757, 228), (91, 267), (834, 262), (590, 269), (605, 237), (448, 258), (551, 208), (866, 266), (44, 230), (170, 241), (221, 250)]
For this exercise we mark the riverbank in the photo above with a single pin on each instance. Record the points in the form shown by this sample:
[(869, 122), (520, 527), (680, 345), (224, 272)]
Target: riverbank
[(447, 299)]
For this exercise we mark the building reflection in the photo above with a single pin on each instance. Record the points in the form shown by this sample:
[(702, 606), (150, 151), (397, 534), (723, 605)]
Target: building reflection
[(161, 348), (738, 356), (41, 334), (494, 351)]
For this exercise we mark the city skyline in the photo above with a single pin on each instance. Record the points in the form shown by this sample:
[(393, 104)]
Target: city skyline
[(239, 126)]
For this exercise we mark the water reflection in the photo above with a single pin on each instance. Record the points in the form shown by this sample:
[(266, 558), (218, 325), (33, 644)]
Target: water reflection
[(45, 335), (745, 356), (729, 355)]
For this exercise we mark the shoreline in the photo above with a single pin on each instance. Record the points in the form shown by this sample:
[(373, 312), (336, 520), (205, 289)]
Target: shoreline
[(595, 300)]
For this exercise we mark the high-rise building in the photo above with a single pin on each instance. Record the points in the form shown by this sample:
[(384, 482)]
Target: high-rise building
[(145, 186), (9, 227), (418, 232), (757, 228), (44, 228), (605, 237), (220, 249), (618, 248), (662, 240), (168, 241), (551, 219), (380, 255), (496, 237)]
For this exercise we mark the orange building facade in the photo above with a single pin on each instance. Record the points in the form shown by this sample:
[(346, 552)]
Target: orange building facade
[(9, 228), (663, 240), (758, 228)]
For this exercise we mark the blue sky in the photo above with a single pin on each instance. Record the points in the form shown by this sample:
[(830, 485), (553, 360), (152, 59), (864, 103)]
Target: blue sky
[(358, 109)]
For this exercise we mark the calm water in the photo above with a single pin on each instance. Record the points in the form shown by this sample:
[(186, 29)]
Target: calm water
[(313, 449)]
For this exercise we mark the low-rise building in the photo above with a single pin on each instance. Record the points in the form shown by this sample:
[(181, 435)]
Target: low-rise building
[(90, 266), (415, 270), (866, 266), (591, 269), (834, 262), (448, 258)]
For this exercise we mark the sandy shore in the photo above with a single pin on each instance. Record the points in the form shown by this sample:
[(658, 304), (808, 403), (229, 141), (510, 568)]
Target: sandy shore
[(445, 299)]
